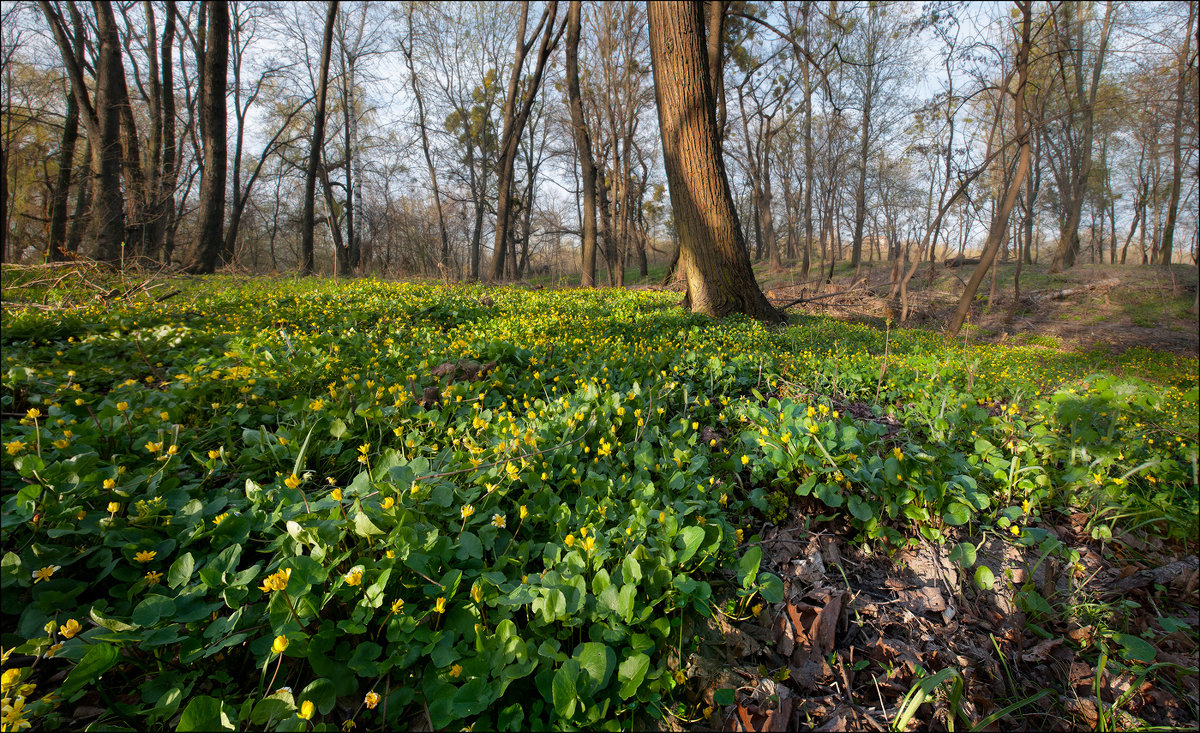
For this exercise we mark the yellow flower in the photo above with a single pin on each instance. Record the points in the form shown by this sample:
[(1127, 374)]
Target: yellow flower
[(1025, 506), (477, 593), (122, 406), (364, 448), (523, 511), (276, 581), (110, 483), (498, 521), (440, 605), (336, 494), (389, 502), (153, 578), (44, 573), (307, 708), (398, 605), (354, 577), (292, 481), (70, 628), (33, 413), (173, 450), (279, 645), (316, 405), (9, 679), (570, 540), (14, 447), (467, 511), (145, 556), (220, 518), (757, 609), (165, 415), (898, 453), (371, 700), (113, 507), (1015, 530), (455, 671), (745, 460), (589, 543)]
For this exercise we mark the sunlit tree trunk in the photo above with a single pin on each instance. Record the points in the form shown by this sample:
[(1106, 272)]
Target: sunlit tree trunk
[(713, 253)]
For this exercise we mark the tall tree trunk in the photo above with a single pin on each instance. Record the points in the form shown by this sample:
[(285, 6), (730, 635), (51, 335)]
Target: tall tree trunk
[(66, 162), (583, 148), (83, 201), (999, 225), (307, 264), (1181, 79), (170, 169), (713, 253), (102, 120), (212, 110), (516, 113), (1068, 244), (444, 260)]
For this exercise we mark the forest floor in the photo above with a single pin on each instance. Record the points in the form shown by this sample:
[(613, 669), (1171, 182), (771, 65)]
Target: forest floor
[(995, 532), (1137, 306)]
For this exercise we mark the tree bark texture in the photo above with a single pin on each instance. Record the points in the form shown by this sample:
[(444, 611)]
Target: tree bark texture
[(307, 264), (212, 110), (713, 252), (1181, 79)]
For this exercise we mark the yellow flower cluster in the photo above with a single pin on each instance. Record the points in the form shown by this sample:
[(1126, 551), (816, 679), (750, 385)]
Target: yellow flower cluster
[(276, 581)]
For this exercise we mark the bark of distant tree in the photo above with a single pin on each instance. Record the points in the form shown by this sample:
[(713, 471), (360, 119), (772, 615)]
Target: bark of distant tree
[(517, 106), (83, 201), (66, 159), (444, 259), (713, 253), (161, 168), (102, 120), (1182, 69), (1076, 162), (999, 224), (212, 111), (307, 265), (583, 147)]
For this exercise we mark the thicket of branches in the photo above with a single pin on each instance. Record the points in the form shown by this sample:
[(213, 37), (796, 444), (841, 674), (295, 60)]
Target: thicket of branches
[(847, 129)]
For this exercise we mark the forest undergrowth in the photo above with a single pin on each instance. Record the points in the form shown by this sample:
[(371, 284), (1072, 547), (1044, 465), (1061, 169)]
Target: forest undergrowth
[(311, 504)]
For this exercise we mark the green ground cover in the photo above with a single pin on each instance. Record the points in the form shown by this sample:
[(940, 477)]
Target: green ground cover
[(289, 505)]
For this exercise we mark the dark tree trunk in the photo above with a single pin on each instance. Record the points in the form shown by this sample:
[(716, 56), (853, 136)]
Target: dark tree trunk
[(583, 147), (713, 253), (307, 264), (212, 110), (102, 120), (62, 184)]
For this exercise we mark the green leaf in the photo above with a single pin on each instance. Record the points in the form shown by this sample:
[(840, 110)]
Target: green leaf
[(631, 673), (337, 429), (723, 696), (110, 623), (1136, 648), (957, 514), (98, 660), (363, 526), (153, 608), (861, 510), (205, 713), (689, 539), (322, 692), (564, 689), (181, 570), (748, 566), (597, 661), (963, 555), (770, 587), (984, 578)]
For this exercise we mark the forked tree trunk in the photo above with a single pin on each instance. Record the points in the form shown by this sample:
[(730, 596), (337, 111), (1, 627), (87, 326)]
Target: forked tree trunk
[(713, 253)]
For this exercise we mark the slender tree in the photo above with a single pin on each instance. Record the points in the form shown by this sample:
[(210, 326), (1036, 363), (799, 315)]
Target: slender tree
[(583, 147), (307, 225)]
